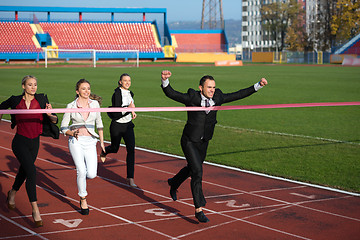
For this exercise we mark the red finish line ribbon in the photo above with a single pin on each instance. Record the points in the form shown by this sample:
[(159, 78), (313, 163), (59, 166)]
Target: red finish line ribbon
[(175, 109)]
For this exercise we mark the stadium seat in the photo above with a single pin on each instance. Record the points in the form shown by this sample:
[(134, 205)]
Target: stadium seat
[(116, 36), (200, 42), (16, 37), (354, 49)]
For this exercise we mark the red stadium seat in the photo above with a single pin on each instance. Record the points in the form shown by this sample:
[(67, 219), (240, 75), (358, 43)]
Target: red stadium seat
[(17, 36), (200, 42)]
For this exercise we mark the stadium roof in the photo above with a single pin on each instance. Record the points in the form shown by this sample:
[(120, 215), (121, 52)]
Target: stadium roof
[(82, 9)]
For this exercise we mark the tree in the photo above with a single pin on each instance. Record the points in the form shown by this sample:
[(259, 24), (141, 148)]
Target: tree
[(345, 22), (275, 20), (284, 21), (296, 38), (323, 37)]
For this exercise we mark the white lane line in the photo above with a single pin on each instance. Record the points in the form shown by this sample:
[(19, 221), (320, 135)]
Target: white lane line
[(248, 222), (190, 199), (49, 214), (303, 195), (286, 180), (191, 204), (213, 212), (32, 233), (326, 212), (233, 168), (185, 203), (251, 223), (184, 235), (98, 209), (222, 186), (259, 131), (159, 195)]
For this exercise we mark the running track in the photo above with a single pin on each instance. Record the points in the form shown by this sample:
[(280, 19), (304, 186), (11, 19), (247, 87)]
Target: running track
[(240, 205)]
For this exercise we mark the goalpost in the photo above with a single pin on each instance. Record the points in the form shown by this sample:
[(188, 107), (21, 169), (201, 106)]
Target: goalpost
[(90, 54)]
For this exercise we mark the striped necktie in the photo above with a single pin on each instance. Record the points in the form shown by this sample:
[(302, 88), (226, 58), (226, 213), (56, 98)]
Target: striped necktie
[(207, 104)]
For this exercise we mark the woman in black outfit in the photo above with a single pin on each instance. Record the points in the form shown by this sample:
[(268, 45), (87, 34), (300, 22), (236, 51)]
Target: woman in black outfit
[(25, 144), (122, 127)]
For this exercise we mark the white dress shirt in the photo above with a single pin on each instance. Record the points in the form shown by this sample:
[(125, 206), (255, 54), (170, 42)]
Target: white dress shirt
[(126, 100), (79, 121), (166, 82)]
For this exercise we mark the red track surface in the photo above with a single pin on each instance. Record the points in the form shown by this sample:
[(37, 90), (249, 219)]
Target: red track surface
[(240, 205)]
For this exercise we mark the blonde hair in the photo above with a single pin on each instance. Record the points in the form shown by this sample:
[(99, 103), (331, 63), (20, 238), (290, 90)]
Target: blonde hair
[(27, 77), (92, 96)]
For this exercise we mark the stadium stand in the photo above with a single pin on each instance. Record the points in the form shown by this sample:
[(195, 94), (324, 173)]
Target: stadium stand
[(354, 49), (201, 46), (103, 36), (348, 52), (351, 47), (17, 37), (187, 41), (33, 39), (30, 39)]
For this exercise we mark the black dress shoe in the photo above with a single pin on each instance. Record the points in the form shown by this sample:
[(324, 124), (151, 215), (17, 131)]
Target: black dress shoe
[(83, 211), (172, 190), (201, 217)]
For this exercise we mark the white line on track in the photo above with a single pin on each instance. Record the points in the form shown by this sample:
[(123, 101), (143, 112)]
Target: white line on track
[(32, 233), (211, 211), (155, 231), (242, 170), (258, 131), (250, 130), (93, 207), (288, 204)]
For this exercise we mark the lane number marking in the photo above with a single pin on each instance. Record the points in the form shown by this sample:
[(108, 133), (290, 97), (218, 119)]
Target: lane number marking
[(304, 196), (232, 203), (160, 212), (72, 223)]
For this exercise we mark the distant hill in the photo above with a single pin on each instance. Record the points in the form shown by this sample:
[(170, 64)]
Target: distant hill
[(232, 29)]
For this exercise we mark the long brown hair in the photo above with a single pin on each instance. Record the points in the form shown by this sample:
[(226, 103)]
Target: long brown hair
[(92, 96)]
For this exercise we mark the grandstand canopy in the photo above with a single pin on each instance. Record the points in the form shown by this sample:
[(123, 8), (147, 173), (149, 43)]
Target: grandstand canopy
[(81, 10)]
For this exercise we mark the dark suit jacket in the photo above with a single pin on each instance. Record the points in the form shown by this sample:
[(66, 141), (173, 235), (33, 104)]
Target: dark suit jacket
[(199, 125), (49, 128), (116, 101)]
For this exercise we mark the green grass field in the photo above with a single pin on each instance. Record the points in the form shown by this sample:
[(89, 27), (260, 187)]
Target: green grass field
[(320, 145)]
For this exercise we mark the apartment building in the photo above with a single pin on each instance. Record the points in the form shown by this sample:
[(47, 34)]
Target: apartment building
[(255, 38)]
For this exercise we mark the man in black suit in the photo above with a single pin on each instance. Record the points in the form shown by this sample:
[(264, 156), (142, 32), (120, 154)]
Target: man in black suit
[(199, 130)]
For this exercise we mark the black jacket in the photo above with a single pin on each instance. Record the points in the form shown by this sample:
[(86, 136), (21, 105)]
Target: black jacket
[(116, 101), (49, 129), (200, 125)]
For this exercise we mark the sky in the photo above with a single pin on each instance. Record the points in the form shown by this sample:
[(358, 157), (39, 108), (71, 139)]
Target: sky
[(177, 10)]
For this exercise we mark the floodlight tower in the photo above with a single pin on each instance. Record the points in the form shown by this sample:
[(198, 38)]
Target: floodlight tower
[(213, 12)]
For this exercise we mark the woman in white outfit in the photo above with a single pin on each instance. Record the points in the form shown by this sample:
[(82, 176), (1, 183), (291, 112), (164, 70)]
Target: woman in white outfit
[(83, 138)]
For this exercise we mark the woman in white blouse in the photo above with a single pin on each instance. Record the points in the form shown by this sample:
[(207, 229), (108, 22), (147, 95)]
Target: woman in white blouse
[(122, 127), (83, 138)]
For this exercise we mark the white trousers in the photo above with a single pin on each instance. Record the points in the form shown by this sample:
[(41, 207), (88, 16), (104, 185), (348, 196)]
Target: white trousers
[(83, 152)]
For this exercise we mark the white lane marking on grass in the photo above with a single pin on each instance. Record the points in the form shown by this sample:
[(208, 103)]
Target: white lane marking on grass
[(258, 131)]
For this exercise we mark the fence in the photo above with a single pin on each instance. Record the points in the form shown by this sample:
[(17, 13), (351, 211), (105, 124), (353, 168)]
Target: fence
[(290, 57)]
